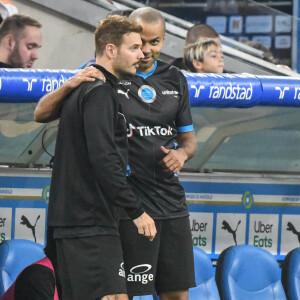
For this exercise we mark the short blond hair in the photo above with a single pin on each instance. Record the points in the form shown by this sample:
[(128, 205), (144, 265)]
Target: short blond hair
[(112, 29), (197, 51)]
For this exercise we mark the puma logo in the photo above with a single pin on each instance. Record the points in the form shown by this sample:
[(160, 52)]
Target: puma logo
[(291, 227), (24, 221), (227, 227), (124, 93)]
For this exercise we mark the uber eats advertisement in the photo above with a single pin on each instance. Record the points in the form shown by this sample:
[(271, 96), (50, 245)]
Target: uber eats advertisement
[(224, 210), (227, 211)]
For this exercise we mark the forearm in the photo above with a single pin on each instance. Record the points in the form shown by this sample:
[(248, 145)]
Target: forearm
[(48, 108), (187, 144)]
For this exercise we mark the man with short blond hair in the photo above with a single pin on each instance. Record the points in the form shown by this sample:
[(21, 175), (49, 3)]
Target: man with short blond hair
[(89, 182)]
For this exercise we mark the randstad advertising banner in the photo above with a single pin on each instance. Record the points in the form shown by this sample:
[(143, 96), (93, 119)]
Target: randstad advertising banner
[(227, 211), (242, 90), (209, 90)]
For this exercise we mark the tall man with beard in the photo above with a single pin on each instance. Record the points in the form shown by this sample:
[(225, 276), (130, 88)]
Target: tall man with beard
[(88, 184), (160, 138)]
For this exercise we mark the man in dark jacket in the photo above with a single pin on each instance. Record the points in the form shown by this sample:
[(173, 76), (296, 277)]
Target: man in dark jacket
[(89, 182)]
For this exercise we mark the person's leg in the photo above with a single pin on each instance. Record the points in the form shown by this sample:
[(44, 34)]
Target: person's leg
[(115, 297), (91, 268), (176, 295), (175, 269), (140, 257)]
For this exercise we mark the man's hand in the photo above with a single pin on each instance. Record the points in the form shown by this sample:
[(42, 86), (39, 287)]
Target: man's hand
[(86, 74), (174, 159), (146, 226)]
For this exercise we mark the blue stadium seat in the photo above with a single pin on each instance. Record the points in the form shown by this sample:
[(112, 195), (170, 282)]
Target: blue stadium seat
[(15, 255), (290, 275), (246, 272), (206, 288)]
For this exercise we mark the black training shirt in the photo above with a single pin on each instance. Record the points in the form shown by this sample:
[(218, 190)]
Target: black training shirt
[(88, 181), (157, 107)]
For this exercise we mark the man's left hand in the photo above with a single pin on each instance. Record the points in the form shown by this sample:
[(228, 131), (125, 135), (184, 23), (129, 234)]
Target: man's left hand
[(174, 159)]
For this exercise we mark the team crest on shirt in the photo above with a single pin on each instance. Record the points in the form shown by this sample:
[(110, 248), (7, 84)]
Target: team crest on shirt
[(147, 93)]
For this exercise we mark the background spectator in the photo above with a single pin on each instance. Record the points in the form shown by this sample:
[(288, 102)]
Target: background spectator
[(20, 39), (204, 57), (196, 33)]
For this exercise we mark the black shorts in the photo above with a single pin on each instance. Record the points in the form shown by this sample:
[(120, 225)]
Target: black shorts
[(166, 264), (90, 268)]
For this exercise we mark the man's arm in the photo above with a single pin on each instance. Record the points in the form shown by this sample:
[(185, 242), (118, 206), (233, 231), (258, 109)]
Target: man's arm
[(146, 226), (175, 158), (48, 108)]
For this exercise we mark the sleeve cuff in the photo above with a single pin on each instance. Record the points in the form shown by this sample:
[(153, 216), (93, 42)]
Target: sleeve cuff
[(134, 213)]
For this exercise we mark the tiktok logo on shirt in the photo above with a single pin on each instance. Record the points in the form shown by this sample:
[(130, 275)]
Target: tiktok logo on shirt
[(149, 131)]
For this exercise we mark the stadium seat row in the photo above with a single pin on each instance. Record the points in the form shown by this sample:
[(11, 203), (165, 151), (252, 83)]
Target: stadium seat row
[(243, 272)]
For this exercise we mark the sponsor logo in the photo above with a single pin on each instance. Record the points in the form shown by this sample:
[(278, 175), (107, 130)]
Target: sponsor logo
[(198, 228), (147, 93), (50, 85), (125, 82), (130, 130), (5, 223), (29, 83), (226, 226), (25, 221), (231, 92), (170, 93), (140, 274), (6, 191), (122, 270), (123, 93), (2, 222), (197, 90), (149, 131), (262, 228), (46, 194), (281, 91), (247, 200), (291, 227)]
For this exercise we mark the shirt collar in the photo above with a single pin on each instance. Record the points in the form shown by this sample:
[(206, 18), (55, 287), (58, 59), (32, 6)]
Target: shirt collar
[(145, 75)]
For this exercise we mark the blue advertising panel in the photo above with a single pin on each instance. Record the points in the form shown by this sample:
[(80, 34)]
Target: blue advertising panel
[(225, 210), (205, 89), (23, 206)]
